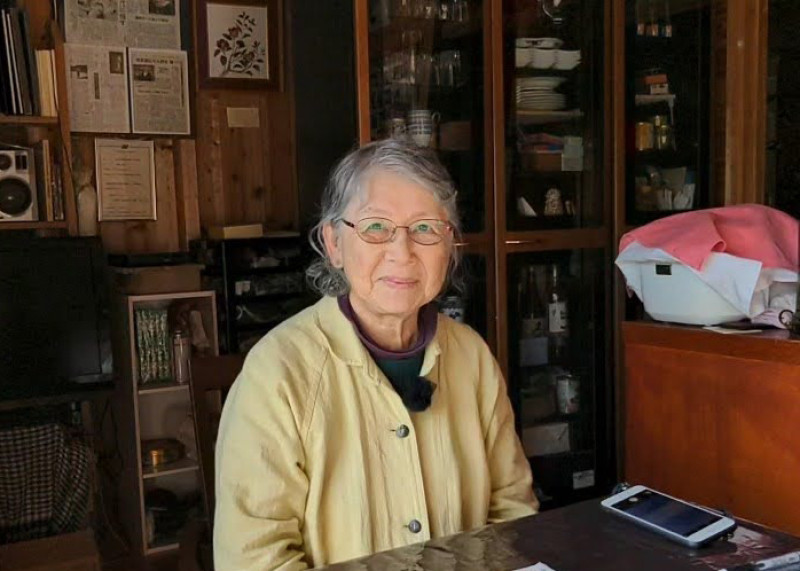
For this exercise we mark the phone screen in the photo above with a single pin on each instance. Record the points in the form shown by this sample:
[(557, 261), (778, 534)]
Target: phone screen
[(666, 512)]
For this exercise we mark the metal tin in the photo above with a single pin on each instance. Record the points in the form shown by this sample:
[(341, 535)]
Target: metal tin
[(644, 136)]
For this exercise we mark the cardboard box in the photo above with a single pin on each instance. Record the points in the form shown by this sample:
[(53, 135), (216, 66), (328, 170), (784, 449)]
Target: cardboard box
[(236, 231), (546, 439), (158, 279), (68, 552), (540, 162)]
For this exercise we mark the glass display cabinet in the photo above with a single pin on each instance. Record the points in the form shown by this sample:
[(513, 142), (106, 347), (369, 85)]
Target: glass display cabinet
[(553, 233), (511, 93), (553, 109), (557, 369), (668, 47), (426, 83), (422, 76)]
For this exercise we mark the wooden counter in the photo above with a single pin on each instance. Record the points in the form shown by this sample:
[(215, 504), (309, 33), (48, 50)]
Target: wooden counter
[(715, 418)]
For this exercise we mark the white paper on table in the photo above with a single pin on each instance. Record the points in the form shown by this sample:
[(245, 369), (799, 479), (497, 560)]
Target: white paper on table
[(538, 567), (726, 331)]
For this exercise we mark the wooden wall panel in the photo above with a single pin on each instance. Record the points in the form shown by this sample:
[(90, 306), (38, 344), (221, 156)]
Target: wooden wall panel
[(223, 176), (246, 174), (185, 157), (142, 236)]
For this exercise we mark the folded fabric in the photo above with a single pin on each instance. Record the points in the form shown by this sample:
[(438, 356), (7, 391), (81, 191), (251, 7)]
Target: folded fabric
[(750, 231)]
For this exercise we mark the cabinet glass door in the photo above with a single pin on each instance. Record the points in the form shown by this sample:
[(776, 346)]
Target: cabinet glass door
[(557, 373), (553, 76), (783, 107), (667, 62), (426, 84), (467, 301)]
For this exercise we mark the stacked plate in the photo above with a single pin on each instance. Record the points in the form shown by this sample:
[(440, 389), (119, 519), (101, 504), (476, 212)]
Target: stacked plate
[(537, 94)]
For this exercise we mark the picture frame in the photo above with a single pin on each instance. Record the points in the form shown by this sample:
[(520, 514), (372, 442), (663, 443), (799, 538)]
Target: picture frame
[(240, 43), (126, 179)]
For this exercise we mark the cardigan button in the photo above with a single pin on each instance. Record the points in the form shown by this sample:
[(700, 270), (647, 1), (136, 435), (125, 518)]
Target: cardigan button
[(414, 526), (401, 432)]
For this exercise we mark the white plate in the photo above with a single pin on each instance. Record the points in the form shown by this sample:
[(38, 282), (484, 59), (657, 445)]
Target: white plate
[(537, 90), (541, 97), (548, 81), (538, 42)]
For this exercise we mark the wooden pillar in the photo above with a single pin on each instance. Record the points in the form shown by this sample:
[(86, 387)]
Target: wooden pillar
[(745, 137)]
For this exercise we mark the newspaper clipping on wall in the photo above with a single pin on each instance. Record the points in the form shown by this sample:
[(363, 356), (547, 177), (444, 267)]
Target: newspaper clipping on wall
[(98, 88), (159, 91), (135, 23), (126, 180)]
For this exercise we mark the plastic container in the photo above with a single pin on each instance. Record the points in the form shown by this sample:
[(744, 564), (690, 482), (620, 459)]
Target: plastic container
[(672, 292)]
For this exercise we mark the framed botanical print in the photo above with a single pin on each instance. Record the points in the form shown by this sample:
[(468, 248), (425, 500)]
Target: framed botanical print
[(239, 43)]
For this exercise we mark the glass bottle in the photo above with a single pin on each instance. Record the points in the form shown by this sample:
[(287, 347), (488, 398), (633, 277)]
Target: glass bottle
[(652, 20), (557, 317), (181, 355), (666, 29), (533, 316)]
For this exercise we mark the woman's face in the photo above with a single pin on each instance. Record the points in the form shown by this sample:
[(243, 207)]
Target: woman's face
[(395, 278)]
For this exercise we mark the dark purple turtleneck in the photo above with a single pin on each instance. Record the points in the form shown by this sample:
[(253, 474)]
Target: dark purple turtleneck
[(401, 367)]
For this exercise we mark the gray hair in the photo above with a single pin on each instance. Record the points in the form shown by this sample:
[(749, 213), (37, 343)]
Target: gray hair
[(346, 183)]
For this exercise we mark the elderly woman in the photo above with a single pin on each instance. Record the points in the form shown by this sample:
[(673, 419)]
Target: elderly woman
[(368, 421)]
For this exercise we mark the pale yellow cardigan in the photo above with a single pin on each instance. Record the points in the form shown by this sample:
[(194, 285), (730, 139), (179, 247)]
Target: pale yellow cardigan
[(318, 461)]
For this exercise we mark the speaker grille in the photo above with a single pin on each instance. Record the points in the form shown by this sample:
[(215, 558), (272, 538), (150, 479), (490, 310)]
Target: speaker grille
[(15, 196)]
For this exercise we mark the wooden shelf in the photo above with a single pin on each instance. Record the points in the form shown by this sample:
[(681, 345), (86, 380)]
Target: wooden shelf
[(532, 117), (73, 393), (26, 225), (162, 548), (155, 388), (669, 99), (177, 467), (560, 239), (29, 120), (241, 299)]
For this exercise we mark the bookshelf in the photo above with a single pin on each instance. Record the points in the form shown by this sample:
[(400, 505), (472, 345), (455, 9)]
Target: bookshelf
[(49, 135), (154, 410), (27, 120)]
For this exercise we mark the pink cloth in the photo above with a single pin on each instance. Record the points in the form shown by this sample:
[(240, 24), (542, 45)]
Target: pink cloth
[(748, 231)]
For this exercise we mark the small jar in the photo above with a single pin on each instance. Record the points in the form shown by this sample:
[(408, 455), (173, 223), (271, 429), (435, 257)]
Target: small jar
[(181, 355)]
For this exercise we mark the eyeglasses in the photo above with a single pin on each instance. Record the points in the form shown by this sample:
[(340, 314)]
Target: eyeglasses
[(381, 230)]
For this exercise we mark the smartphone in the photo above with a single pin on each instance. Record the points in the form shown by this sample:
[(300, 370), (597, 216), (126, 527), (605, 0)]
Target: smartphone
[(675, 519)]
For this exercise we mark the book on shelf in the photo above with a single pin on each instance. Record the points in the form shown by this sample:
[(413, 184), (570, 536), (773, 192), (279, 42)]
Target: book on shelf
[(49, 189), (10, 80), (27, 76), (45, 61)]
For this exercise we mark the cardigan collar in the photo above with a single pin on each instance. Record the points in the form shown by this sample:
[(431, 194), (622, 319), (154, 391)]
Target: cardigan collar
[(347, 347)]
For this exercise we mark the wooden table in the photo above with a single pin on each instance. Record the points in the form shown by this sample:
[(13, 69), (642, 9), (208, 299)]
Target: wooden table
[(580, 537), (714, 419)]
